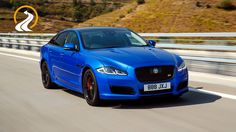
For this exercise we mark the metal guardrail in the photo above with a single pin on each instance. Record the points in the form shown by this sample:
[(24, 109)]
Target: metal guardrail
[(212, 34), (209, 34), (29, 34), (22, 43), (221, 48), (36, 40), (224, 66)]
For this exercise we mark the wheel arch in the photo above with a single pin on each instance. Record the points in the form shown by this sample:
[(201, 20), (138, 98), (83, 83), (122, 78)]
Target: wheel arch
[(41, 62), (87, 67)]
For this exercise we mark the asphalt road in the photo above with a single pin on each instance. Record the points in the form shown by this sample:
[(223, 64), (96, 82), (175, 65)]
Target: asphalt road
[(25, 106)]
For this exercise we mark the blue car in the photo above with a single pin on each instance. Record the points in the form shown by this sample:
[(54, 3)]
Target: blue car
[(106, 63)]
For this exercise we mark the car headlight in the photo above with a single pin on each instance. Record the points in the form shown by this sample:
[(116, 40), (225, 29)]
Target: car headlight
[(111, 71), (182, 67)]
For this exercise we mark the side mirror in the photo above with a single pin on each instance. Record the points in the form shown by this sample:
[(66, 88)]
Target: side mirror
[(152, 42), (69, 46)]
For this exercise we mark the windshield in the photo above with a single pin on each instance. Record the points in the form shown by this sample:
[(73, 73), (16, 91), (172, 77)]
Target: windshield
[(111, 38)]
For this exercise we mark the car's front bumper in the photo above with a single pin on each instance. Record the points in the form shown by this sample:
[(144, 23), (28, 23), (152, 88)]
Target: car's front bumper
[(105, 82)]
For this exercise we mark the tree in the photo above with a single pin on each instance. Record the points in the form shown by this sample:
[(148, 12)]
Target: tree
[(77, 2), (226, 4), (92, 3)]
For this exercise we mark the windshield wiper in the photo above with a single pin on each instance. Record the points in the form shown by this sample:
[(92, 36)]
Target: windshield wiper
[(139, 45)]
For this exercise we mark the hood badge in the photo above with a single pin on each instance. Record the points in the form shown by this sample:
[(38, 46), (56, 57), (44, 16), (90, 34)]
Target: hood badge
[(155, 70)]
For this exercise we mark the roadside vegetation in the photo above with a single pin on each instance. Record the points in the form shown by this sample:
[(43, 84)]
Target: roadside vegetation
[(227, 5), (138, 15), (172, 16), (71, 10), (140, 2), (57, 14)]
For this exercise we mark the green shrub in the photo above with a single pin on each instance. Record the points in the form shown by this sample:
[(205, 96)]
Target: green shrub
[(42, 11), (198, 4), (92, 3), (81, 12), (140, 2), (122, 16), (130, 10), (226, 4), (6, 4)]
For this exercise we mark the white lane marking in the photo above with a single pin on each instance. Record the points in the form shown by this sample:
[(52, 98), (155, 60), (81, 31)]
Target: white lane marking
[(20, 52), (229, 96), (21, 57), (191, 89), (213, 79)]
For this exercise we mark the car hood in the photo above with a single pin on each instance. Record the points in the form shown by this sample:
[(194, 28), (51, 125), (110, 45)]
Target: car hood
[(134, 56)]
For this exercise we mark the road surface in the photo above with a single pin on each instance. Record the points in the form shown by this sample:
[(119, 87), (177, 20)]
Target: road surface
[(25, 106)]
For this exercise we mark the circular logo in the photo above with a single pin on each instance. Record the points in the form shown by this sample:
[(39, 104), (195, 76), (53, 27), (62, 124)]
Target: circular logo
[(23, 26), (155, 70)]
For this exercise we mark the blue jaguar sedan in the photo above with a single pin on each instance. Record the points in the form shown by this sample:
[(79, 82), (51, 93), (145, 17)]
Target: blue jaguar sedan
[(106, 63)]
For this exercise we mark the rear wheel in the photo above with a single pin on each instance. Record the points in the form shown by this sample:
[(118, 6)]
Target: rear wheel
[(46, 79), (90, 88)]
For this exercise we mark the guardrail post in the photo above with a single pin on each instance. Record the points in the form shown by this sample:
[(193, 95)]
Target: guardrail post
[(0, 42), (18, 46), (9, 45)]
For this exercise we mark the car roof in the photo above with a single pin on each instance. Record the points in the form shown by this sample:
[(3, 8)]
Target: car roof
[(93, 28)]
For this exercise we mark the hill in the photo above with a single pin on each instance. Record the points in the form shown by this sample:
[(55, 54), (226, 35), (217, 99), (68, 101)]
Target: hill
[(56, 15), (171, 16), (152, 16)]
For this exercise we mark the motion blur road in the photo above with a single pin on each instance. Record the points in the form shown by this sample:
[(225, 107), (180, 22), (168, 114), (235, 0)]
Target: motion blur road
[(25, 106)]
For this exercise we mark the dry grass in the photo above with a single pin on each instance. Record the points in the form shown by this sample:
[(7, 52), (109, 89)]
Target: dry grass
[(170, 16), (55, 15), (153, 16), (110, 19)]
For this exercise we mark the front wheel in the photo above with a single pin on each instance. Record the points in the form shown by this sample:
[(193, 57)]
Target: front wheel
[(90, 88), (46, 79)]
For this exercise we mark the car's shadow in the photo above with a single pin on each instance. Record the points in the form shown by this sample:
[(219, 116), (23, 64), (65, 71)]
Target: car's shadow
[(190, 98)]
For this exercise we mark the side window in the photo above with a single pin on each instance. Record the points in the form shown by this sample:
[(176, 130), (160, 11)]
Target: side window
[(72, 38), (52, 41), (60, 39)]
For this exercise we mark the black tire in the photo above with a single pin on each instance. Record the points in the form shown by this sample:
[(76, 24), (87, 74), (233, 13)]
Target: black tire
[(46, 78), (90, 88)]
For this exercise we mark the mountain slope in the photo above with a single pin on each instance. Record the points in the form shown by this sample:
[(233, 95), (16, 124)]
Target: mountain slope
[(55, 15), (170, 16)]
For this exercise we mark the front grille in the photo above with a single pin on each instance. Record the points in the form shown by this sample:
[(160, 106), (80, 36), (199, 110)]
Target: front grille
[(154, 73), (121, 90)]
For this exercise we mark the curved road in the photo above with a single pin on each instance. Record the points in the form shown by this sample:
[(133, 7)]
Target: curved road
[(25, 106)]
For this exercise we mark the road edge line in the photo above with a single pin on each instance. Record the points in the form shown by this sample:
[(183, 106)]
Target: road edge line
[(228, 96), (21, 57)]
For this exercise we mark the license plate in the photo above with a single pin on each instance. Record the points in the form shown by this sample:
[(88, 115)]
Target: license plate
[(157, 86)]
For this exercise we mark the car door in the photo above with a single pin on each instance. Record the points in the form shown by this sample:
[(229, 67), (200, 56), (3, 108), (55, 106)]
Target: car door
[(55, 54), (70, 60)]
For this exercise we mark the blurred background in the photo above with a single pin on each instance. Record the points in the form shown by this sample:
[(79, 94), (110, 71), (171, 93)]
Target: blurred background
[(138, 15)]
